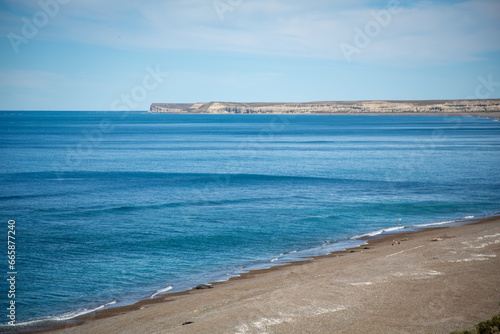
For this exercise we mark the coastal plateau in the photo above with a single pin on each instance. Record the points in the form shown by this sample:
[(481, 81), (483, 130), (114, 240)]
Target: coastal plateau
[(457, 107)]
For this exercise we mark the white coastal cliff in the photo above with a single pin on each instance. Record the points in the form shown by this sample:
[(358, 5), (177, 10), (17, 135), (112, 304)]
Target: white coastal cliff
[(332, 107)]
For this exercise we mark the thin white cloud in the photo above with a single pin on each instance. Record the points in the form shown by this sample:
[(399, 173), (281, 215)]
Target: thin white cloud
[(425, 32), (25, 79), (440, 33)]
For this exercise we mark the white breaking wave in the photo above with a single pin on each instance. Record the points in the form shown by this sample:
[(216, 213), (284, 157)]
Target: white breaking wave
[(445, 222), (168, 288), (378, 232), (396, 228), (436, 224), (65, 316)]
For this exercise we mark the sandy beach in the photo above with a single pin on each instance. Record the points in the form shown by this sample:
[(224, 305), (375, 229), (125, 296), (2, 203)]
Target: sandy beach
[(431, 281)]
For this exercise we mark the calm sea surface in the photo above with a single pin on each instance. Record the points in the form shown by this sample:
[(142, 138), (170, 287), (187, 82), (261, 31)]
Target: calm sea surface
[(110, 208)]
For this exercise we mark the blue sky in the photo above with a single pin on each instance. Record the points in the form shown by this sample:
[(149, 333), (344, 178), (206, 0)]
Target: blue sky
[(97, 55)]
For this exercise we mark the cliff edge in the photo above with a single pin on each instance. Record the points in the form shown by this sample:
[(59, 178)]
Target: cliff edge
[(333, 107)]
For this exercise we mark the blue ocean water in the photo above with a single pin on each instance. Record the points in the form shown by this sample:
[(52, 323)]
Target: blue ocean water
[(111, 208)]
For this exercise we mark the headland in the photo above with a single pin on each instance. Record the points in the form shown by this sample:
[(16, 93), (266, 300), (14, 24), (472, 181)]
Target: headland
[(487, 108)]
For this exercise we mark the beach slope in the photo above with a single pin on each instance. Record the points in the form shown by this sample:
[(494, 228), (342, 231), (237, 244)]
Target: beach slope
[(431, 281)]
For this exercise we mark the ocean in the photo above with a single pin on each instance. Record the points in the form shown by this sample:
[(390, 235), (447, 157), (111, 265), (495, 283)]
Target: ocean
[(113, 207)]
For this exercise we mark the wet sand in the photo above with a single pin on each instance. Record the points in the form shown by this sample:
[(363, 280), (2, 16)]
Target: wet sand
[(431, 281)]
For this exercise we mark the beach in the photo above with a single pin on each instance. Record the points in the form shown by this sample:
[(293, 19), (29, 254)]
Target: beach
[(431, 281)]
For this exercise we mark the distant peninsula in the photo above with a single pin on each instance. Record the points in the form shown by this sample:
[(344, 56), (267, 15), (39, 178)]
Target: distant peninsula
[(488, 108)]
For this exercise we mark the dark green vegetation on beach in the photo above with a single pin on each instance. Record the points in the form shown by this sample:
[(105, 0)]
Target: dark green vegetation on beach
[(491, 326)]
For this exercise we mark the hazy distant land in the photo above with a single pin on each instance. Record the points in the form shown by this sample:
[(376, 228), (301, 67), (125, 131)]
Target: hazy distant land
[(487, 107)]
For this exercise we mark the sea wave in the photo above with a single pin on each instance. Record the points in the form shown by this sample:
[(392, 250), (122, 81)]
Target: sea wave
[(221, 179), (168, 288), (394, 229), (378, 232), (446, 222), (64, 316), (158, 206)]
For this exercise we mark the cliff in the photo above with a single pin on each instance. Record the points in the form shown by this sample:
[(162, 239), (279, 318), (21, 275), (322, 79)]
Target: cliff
[(332, 107)]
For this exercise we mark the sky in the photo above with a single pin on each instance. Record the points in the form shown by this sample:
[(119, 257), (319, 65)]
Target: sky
[(125, 54)]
